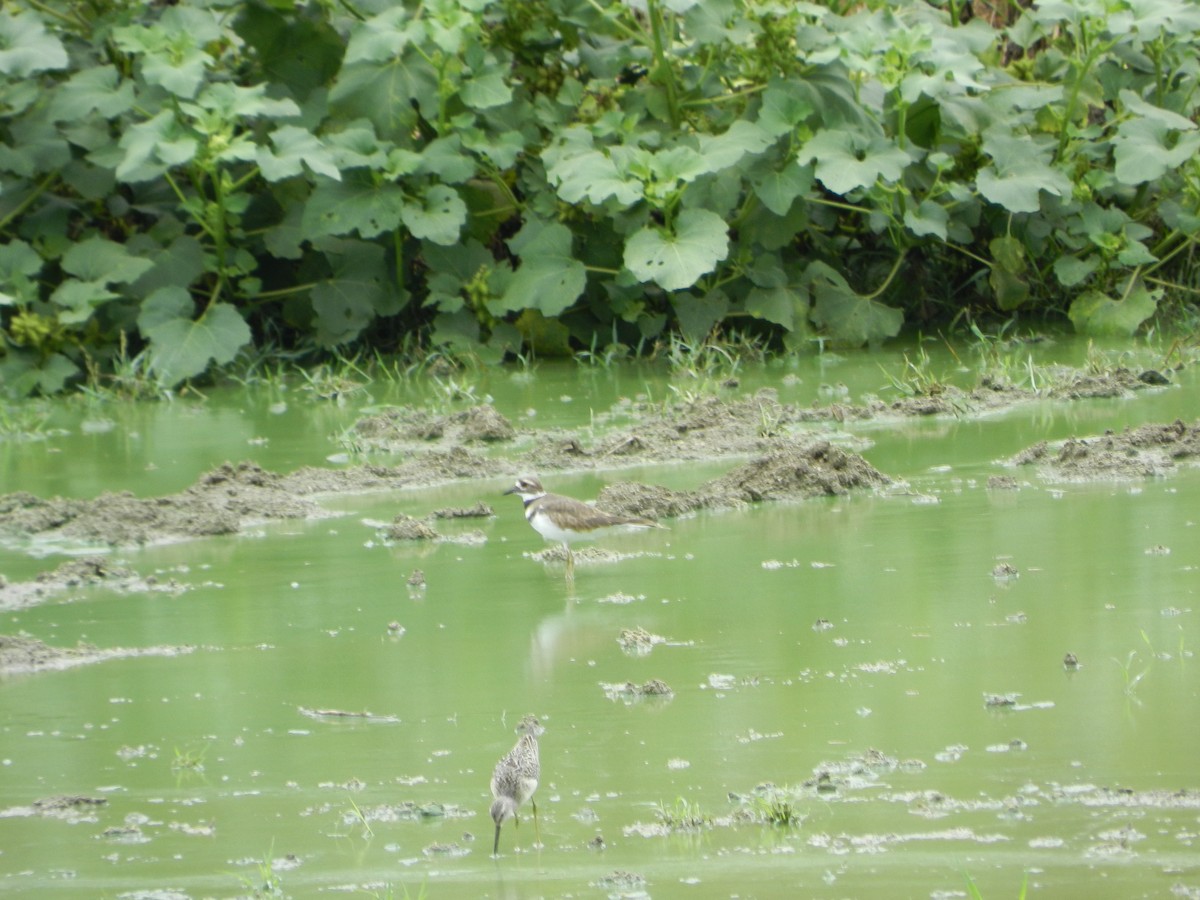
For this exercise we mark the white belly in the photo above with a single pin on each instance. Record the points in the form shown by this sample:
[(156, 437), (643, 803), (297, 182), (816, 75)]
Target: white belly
[(546, 528)]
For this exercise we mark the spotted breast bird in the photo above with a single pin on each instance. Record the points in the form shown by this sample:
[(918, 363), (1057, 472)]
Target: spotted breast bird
[(565, 519), (515, 778)]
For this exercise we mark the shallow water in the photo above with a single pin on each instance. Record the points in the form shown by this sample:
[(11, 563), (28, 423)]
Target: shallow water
[(859, 636)]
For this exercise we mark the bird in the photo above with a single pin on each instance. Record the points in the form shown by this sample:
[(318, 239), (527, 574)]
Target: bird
[(515, 778), (565, 519)]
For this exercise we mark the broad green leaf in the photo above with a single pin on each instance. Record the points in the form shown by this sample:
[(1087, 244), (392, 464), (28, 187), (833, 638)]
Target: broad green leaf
[(181, 73), (781, 305), (359, 205), (727, 149), (677, 259), (783, 108), (32, 146), (342, 312), (1094, 312), (171, 51), (1019, 171), (26, 48), (767, 271), (547, 337), (295, 149), (23, 373), (847, 160), (463, 261), (455, 329), (178, 264), (101, 260), (438, 216), (486, 91), (678, 165), (18, 259), (698, 315), (165, 305), (359, 289), (356, 147), (382, 37), (386, 93), (1007, 276), (848, 317), (1135, 253), (779, 190), (502, 149), (181, 348), (1145, 150), (1150, 113), (153, 147), (77, 300), (233, 102), (927, 220), (99, 89), (444, 158), (549, 278), (1071, 270), (580, 172), (300, 52), (445, 292)]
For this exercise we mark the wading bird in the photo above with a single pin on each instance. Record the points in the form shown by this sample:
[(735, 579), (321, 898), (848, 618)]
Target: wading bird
[(515, 778), (565, 519)]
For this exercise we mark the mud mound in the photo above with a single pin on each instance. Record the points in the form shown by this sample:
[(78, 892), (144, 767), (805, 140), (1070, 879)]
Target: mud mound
[(431, 467), (399, 426), (219, 503), (1119, 382), (647, 501), (77, 573), (21, 653), (789, 471), (1144, 452), (797, 471)]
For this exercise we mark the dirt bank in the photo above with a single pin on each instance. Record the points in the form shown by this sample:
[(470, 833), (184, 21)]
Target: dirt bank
[(81, 573), (22, 654), (1144, 452)]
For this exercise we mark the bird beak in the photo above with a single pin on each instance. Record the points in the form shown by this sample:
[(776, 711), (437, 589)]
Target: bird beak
[(511, 490), (496, 844)]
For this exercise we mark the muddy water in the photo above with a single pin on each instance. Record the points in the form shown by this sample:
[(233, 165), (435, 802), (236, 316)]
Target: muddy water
[(886, 667)]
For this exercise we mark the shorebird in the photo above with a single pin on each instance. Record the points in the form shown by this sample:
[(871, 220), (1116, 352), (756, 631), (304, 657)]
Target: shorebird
[(515, 778), (565, 519)]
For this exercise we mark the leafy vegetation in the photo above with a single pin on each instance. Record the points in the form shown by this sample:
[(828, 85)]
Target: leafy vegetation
[(183, 183)]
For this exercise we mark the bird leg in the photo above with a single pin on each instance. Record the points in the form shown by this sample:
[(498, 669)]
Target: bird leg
[(537, 837), (570, 560)]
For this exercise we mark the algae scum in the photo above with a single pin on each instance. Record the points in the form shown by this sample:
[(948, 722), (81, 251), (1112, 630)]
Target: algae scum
[(920, 644)]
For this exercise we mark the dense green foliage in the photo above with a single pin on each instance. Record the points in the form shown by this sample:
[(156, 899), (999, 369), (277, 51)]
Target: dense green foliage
[(181, 183)]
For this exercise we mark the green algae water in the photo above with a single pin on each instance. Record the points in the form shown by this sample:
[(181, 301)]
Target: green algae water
[(868, 692)]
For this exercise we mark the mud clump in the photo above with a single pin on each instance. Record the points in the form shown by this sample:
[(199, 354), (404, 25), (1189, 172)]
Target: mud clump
[(398, 426), (1144, 452), (24, 654), (791, 470), (90, 571), (430, 467), (410, 528), (480, 510), (647, 501), (219, 503), (798, 471), (1119, 382)]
